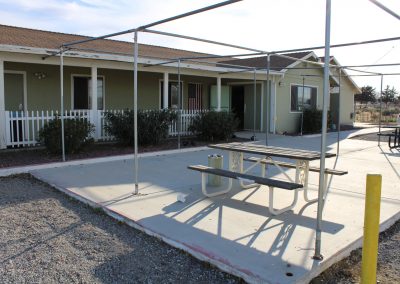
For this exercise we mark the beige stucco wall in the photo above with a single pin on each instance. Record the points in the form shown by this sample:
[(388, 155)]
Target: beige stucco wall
[(286, 120), (347, 92)]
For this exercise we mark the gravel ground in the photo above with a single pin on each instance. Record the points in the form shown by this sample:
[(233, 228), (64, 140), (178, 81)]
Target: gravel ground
[(46, 237), (349, 269)]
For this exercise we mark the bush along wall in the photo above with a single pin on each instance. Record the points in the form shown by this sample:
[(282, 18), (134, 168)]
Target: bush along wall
[(214, 126), (76, 135), (153, 126), (312, 121)]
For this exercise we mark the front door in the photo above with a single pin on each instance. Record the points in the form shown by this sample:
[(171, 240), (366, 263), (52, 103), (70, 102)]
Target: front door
[(14, 91), (237, 99)]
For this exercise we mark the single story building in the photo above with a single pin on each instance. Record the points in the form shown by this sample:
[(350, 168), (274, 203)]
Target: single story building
[(103, 69)]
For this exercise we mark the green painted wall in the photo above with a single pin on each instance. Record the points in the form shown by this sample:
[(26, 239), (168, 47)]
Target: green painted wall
[(225, 98), (44, 94), (249, 106), (119, 89)]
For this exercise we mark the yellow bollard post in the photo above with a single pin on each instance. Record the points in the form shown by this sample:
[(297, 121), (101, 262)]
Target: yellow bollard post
[(371, 229)]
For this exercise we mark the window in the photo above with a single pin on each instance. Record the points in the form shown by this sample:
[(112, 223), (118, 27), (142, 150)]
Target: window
[(173, 98), (303, 98), (83, 90)]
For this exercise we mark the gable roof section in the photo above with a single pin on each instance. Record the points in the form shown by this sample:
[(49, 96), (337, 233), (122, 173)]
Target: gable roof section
[(16, 36), (333, 60), (276, 63)]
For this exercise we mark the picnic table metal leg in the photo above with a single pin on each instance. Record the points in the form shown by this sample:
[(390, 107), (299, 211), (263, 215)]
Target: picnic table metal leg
[(239, 166), (302, 173), (280, 211), (204, 187)]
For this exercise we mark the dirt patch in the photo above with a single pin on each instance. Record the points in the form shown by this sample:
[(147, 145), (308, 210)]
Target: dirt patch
[(46, 237), (32, 156), (349, 269)]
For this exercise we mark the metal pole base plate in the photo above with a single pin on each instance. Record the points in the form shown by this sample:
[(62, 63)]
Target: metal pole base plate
[(318, 257)]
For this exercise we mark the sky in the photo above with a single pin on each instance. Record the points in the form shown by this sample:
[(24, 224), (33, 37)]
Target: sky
[(262, 24)]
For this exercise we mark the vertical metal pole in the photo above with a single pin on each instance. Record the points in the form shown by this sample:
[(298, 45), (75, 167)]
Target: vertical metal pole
[(62, 103), (302, 111), (317, 253), (338, 112), (254, 104), (179, 105), (380, 112), (267, 100), (135, 109)]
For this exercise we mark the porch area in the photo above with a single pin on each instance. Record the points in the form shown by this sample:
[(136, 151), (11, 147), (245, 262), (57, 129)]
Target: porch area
[(23, 127), (30, 97)]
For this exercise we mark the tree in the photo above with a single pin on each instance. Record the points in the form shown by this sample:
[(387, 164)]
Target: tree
[(389, 95), (368, 94)]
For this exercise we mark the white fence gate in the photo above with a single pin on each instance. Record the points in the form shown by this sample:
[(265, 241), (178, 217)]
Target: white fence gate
[(22, 127)]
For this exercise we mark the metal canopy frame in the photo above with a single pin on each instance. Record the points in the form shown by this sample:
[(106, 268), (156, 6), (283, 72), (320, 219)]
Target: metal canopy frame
[(325, 65)]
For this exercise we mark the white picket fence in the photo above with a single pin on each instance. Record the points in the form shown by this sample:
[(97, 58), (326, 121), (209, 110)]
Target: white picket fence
[(22, 127)]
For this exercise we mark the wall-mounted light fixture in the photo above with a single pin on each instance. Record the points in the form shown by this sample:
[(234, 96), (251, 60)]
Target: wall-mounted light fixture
[(281, 84), (40, 75)]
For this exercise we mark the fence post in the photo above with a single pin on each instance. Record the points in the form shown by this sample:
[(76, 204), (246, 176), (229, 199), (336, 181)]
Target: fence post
[(92, 117), (7, 130)]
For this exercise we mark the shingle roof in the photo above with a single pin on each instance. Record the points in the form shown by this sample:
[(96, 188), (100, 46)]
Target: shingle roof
[(276, 63), (18, 36)]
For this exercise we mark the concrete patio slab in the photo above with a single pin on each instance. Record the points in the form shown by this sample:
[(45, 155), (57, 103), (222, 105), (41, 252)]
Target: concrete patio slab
[(236, 231)]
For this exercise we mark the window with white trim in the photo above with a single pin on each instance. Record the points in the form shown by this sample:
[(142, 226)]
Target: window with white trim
[(302, 98), (173, 95), (82, 92)]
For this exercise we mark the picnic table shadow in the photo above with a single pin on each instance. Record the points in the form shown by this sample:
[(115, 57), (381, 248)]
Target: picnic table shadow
[(209, 245)]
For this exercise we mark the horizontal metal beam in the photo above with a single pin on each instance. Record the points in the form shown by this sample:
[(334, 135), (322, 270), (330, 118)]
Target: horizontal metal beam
[(337, 45), (362, 71), (386, 9), (201, 57), (153, 24), (161, 63), (223, 56), (372, 75), (201, 10), (98, 37), (373, 65), (205, 40)]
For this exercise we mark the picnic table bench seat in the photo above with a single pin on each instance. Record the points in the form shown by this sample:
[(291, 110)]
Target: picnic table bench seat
[(256, 179), (293, 166), (271, 183)]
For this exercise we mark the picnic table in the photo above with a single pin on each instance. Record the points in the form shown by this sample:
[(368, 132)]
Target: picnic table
[(395, 135), (266, 155)]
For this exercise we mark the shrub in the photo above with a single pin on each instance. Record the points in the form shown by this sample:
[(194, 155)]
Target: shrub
[(214, 126), (76, 135), (153, 126), (312, 121)]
